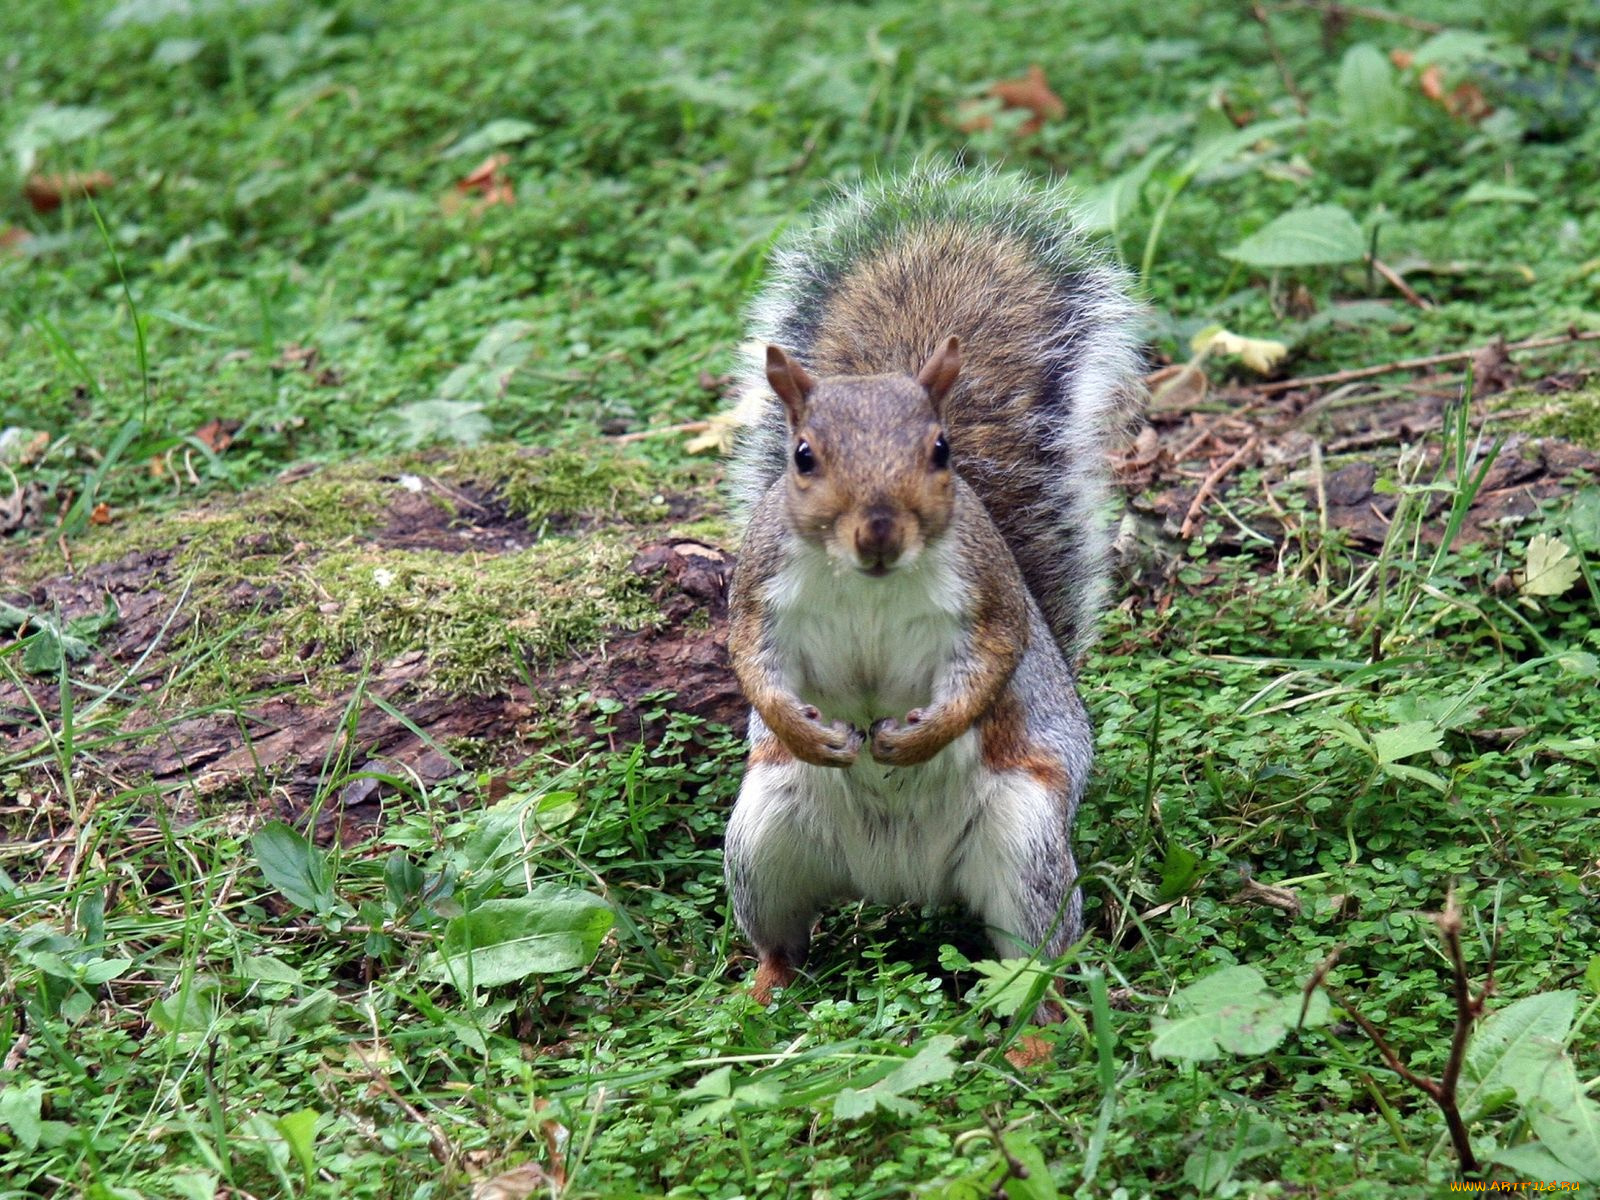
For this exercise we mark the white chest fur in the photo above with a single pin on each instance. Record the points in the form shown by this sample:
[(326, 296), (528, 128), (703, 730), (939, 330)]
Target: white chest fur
[(861, 647)]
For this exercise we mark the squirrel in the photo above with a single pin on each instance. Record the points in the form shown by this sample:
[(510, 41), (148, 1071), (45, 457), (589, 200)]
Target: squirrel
[(922, 482)]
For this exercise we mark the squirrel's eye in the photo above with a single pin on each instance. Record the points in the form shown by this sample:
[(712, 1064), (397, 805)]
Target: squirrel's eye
[(804, 461), (941, 453)]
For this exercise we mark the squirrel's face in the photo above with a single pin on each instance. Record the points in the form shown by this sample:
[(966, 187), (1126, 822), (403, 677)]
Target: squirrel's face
[(869, 469), (869, 473)]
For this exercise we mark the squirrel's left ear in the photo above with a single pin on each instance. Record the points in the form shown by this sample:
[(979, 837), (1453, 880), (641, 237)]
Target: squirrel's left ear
[(938, 374), (789, 379)]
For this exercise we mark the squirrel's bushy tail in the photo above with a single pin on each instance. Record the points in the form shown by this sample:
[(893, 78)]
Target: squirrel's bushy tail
[(1049, 354)]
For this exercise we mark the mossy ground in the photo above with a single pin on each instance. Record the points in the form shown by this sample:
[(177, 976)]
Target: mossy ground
[(218, 1008), (523, 560)]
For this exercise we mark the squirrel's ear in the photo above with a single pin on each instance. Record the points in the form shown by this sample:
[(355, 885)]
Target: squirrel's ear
[(789, 379), (939, 373)]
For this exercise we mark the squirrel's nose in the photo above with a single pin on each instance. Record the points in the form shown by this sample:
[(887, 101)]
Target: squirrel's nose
[(878, 538)]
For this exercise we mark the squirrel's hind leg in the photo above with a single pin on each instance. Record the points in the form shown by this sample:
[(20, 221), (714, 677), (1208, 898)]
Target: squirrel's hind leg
[(1017, 872), (778, 862)]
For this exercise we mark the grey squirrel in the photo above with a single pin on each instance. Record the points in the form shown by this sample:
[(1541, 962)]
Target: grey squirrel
[(923, 558)]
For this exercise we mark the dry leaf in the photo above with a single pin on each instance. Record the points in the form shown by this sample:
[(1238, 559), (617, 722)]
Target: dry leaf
[(1465, 101), (46, 192), (487, 181), (1551, 568), (719, 433), (217, 434), (100, 514), (1031, 93), (515, 1184), (1178, 388), (1261, 355)]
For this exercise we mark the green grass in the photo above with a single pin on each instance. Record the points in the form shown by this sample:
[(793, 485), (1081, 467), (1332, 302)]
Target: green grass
[(221, 1009)]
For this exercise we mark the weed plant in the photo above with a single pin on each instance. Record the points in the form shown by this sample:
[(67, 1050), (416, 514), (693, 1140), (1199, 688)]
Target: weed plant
[(1300, 749)]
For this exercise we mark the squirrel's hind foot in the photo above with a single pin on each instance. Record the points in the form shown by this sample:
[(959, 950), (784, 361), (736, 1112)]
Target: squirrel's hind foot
[(772, 971)]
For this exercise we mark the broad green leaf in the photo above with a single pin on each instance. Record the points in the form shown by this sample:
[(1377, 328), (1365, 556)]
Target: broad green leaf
[(1484, 192), (294, 866), (1370, 99), (268, 969), (1531, 1161), (1007, 983), (1414, 737), (1180, 867), (726, 1096), (1215, 151), (185, 1011), (53, 125), (299, 1131), (1457, 46), (1580, 663), (1591, 975), (552, 928), (1567, 1121), (1583, 515), (310, 1012), (931, 1064), (402, 879), (423, 422), (1551, 569), (503, 131), (1322, 235), (194, 1185), (174, 52), (1037, 1185), (20, 1107), (104, 970), (1230, 1010), (1102, 209), (1510, 1048), (715, 1085)]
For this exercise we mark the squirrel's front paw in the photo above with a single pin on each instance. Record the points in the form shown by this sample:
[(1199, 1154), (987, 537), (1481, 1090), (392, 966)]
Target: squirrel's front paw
[(828, 745), (896, 745)]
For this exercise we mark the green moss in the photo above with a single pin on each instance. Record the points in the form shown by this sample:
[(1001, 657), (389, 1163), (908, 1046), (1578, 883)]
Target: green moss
[(715, 528), (236, 537), (1573, 416), (478, 620), (597, 482), (291, 579)]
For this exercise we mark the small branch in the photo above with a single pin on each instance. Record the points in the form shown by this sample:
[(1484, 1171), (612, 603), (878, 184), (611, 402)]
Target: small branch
[(1208, 485), (1397, 281), (1412, 364), (1469, 1008), (1328, 8), (1259, 12), (662, 430)]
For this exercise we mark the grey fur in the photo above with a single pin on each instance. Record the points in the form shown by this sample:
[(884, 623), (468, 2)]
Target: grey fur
[(1050, 503)]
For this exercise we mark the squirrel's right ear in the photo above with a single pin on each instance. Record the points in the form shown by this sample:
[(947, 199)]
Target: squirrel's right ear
[(938, 374), (789, 379)]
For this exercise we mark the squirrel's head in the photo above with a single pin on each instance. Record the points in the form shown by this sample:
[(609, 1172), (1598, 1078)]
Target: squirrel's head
[(869, 474)]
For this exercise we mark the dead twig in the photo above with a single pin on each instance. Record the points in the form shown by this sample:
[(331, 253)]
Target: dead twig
[(1469, 1008), (1330, 8), (1259, 12), (1412, 364), (1397, 281), (1208, 485), (662, 430)]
